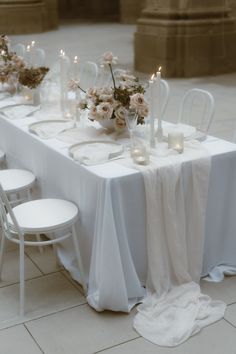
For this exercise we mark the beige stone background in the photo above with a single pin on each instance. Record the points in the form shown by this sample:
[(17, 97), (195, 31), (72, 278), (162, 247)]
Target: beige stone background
[(188, 38)]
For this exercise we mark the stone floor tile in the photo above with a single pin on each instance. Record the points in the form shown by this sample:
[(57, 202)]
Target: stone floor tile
[(218, 338), (10, 274), (230, 314), (44, 295), (17, 340), (225, 290), (81, 330)]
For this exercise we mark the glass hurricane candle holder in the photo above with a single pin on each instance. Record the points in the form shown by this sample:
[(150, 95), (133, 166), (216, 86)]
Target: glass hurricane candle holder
[(176, 141), (140, 154)]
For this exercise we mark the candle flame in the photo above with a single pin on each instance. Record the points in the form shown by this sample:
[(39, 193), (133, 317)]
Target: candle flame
[(159, 70), (33, 43), (3, 52), (28, 48), (152, 77), (62, 53)]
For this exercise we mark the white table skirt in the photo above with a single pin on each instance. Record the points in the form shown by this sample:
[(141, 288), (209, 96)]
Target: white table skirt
[(112, 212)]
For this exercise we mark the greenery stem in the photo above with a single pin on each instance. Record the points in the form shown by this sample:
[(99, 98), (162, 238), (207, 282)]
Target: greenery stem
[(81, 89), (112, 75)]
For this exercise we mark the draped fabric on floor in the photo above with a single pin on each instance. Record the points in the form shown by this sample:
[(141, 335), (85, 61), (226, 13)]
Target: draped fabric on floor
[(174, 308)]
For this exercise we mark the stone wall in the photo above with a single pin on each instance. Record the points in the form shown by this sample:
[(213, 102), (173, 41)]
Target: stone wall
[(94, 10), (27, 16)]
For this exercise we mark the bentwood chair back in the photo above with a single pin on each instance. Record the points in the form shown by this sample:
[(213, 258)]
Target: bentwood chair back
[(46, 216), (39, 57), (197, 109), (165, 95), (19, 49), (88, 74)]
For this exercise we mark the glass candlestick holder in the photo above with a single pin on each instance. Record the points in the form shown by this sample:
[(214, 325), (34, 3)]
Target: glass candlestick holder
[(176, 141)]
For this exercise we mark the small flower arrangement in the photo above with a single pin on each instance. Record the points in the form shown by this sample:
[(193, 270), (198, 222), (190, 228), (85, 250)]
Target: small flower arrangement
[(13, 68), (113, 103)]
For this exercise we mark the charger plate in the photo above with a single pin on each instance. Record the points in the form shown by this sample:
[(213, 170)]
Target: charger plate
[(115, 149)]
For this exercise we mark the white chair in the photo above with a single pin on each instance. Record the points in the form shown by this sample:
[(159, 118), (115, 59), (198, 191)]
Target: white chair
[(88, 74), (38, 57), (197, 109), (19, 49), (46, 216), (17, 184), (165, 95)]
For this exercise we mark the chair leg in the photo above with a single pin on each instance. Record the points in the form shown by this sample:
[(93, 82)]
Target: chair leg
[(38, 238), (54, 248), (22, 279), (79, 259), (2, 249)]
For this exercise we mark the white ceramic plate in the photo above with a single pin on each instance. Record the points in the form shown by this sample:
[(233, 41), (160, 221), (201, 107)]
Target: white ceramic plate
[(19, 111), (47, 129)]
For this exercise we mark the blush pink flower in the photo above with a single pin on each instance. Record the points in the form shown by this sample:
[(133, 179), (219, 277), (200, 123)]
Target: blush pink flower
[(109, 58), (104, 110)]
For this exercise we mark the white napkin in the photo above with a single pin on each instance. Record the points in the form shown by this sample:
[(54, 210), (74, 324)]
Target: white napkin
[(48, 130), (19, 111), (96, 153)]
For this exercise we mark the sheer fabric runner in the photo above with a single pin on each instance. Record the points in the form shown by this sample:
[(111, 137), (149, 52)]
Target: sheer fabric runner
[(174, 308)]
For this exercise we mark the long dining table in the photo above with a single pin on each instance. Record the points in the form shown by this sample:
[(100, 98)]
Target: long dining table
[(111, 200)]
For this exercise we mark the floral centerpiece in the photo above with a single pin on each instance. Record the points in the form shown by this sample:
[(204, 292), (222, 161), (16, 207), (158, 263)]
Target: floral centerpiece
[(112, 103), (14, 70)]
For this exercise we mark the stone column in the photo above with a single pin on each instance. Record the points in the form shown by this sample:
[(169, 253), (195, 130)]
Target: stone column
[(186, 37), (130, 10)]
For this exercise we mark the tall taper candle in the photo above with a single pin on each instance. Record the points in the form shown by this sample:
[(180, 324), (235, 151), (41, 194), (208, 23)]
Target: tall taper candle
[(158, 100), (152, 84), (62, 79)]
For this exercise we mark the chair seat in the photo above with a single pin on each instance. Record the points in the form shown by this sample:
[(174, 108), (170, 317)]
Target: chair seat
[(15, 180), (2, 155), (44, 215)]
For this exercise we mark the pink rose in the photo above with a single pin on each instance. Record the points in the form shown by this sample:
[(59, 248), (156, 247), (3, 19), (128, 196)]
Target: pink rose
[(104, 110), (136, 100)]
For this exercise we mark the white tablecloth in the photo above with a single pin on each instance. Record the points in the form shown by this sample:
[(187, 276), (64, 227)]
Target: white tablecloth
[(112, 211)]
